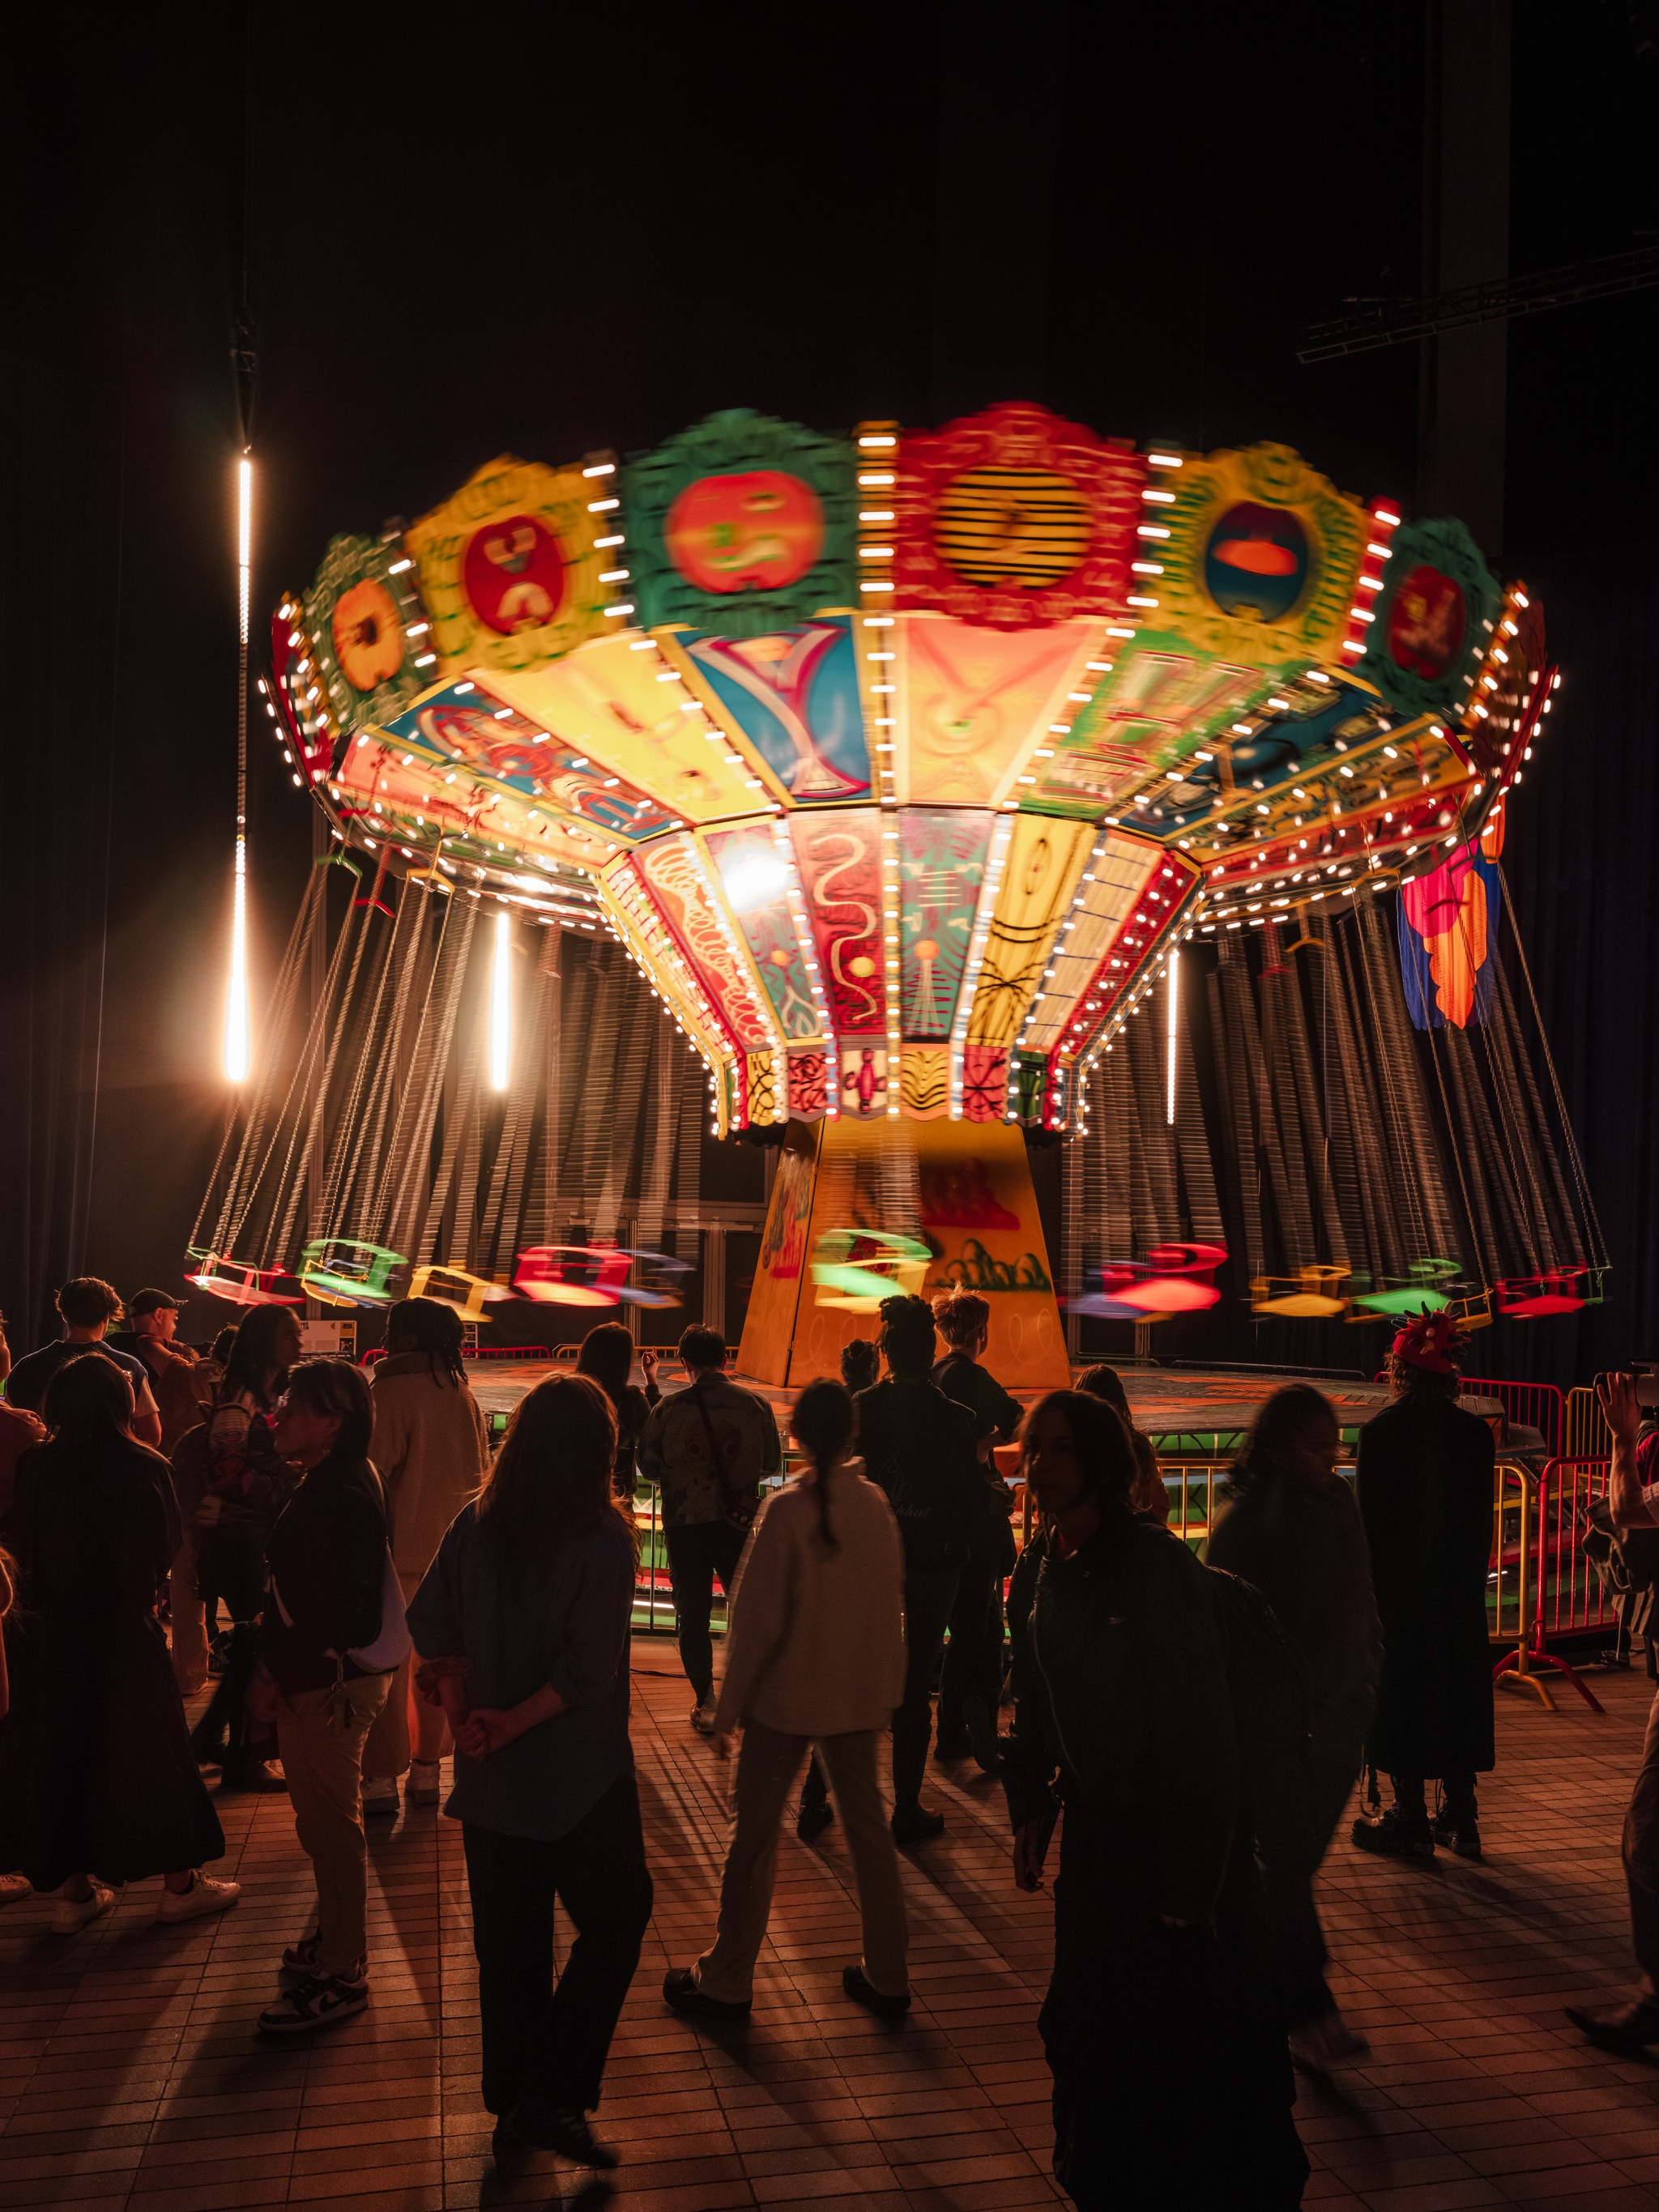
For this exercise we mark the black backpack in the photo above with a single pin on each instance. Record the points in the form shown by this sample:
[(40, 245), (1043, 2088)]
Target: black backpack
[(1626, 1562), (1269, 1686)]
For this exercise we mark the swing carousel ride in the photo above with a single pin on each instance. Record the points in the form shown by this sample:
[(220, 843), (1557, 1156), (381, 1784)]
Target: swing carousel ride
[(940, 787)]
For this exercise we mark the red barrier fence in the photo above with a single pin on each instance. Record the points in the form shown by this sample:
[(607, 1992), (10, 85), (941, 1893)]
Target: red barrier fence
[(1546, 1589), (1526, 1405)]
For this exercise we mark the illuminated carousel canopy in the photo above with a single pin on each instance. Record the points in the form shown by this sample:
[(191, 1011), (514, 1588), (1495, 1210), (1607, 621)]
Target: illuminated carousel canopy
[(901, 763)]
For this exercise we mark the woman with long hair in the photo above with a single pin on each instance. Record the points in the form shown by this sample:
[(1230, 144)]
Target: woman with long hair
[(523, 1623), (429, 1449), (1123, 1716), (97, 1784), (1425, 1494), (323, 1676), (1148, 1495), (607, 1355), (243, 1484), (1291, 1527), (814, 1659)]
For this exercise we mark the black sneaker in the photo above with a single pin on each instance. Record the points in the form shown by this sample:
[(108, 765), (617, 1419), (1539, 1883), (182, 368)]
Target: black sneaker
[(536, 2123), (316, 2002), (915, 1825), (681, 1994), (872, 1999), (1629, 2029), (1462, 1837), (812, 1820), (1393, 1838)]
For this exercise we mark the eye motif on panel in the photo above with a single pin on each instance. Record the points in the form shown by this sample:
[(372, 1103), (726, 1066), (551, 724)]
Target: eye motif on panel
[(1255, 564)]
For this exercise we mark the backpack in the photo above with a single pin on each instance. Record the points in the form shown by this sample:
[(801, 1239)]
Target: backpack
[(1268, 1686), (1626, 1563)]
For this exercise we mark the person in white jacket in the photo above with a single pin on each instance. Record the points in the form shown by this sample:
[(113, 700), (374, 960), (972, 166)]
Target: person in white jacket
[(814, 1657)]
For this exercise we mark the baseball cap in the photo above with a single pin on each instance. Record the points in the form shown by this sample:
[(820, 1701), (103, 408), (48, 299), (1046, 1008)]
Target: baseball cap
[(149, 1301)]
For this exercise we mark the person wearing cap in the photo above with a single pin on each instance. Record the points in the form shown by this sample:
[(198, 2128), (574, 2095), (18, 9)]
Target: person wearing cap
[(177, 1379), (1425, 1491), (89, 1306)]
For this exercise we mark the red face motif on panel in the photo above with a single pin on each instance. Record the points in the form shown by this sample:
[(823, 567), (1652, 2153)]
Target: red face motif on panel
[(514, 574), (756, 532), (1426, 623)]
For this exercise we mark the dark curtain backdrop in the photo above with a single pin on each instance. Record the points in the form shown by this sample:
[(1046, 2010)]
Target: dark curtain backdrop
[(60, 599)]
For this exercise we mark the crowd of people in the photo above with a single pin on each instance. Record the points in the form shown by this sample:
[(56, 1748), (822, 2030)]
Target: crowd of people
[(391, 1592)]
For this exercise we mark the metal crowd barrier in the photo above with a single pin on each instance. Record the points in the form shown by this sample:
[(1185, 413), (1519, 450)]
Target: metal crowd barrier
[(1544, 1587)]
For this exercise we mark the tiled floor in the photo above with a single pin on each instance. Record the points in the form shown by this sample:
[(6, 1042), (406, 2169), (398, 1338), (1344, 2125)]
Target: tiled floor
[(128, 2076)]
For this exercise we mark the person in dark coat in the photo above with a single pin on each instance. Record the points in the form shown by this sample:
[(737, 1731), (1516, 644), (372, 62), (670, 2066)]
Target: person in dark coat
[(970, 1687), (607, 1354), (919, 1448), (97, 1786), (1123, 1715), (1292, 1528), (1425, 1493)]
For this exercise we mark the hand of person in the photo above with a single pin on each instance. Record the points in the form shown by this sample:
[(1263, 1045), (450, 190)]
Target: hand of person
[(722, 1742), (263, 1697), (1619, 1409), (1030, 1848), (648, 1366), (487, 1728)]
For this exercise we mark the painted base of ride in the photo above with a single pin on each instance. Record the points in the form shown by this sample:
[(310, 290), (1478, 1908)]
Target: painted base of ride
[(861, 1210)]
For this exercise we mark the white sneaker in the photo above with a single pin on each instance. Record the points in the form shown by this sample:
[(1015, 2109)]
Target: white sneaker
[(70, 1915), (702, 1715), (206, 1894), (14, 1887), (425, 1781), (380, 1794), (1328, 2041)]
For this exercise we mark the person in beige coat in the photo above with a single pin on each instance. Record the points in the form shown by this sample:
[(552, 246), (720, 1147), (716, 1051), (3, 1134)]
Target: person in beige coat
[(814, 1659), (429, 1449)]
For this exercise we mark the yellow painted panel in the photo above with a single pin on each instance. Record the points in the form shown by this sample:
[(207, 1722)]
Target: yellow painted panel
[(1046, 856)]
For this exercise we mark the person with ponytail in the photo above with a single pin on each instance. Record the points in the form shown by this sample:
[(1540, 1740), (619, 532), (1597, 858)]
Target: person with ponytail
[(429, 1449), (814, 1659), (1291, 1527)]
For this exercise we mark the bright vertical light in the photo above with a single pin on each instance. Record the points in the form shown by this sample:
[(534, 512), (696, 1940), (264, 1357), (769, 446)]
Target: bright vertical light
[(501, 1006), (1169, 1054), (236, 996), (236, 1020), (244, 537)]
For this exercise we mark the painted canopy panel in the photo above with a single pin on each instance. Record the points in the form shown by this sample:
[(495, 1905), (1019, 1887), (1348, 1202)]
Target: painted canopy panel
[(942, 865), (838, 856), (1046, 857), (754, 875), (793, 694), (973, 703), (509, 568), (622, 702)]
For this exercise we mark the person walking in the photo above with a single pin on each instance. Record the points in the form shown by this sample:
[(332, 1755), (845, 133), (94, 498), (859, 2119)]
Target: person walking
[(326, 1657), (1123, 1716), (1291, 1527), (1632, 2029), (708, 1448), (607, 1354), (814, 1662), (1425, 1494), (918, 1448), (240, 1484), (522, 1623), (88, 1307), (1151, 1496), (429, 1449), (970, 1687), (97, 1785)]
